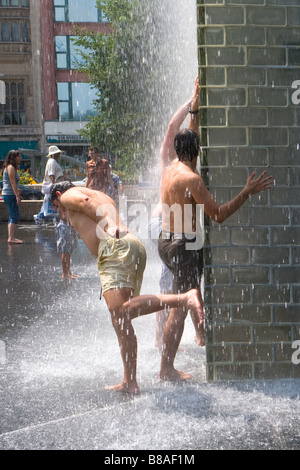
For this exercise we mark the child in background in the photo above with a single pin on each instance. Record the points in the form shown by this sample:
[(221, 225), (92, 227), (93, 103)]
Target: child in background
[(66, 242)]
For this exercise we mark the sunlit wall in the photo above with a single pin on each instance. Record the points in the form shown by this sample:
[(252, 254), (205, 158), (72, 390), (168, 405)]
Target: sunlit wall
[(249, 68)]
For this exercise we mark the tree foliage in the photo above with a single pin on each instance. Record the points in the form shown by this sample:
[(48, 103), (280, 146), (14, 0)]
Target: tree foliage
[(126, 67)]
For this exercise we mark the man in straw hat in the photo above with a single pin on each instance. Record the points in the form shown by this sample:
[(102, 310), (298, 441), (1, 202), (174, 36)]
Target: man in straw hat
[(53, 171)]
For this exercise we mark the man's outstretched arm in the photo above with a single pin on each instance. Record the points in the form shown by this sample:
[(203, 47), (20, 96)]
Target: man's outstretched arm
[(219, 213)]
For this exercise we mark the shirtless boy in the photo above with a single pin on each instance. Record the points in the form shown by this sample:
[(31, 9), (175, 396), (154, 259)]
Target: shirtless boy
[(184, 189), (121, 263), (167, 156)]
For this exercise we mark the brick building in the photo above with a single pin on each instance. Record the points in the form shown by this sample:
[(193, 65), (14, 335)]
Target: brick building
[(47, 100), (68, 94), (250, 72), (21, 124)]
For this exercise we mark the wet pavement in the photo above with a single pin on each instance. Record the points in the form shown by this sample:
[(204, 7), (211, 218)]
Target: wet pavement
[(58, 350)]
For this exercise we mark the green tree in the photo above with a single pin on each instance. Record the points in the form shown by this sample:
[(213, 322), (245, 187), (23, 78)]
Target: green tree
[(127, 69)]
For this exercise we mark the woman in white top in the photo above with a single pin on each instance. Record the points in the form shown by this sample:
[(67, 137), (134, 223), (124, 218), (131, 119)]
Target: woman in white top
[(52, 172)]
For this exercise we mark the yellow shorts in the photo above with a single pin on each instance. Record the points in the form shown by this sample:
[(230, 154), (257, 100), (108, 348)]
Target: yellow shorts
[(121, 263)]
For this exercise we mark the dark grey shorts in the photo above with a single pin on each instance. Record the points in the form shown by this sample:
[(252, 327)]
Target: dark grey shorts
[(186, 265)]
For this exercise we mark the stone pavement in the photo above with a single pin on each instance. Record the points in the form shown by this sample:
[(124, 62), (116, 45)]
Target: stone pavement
[(59, 351)]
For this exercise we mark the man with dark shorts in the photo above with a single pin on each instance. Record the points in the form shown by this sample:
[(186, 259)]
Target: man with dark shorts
[(186, 265), (183, 192)]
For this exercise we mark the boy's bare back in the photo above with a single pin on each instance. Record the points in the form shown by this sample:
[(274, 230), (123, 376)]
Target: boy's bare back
[(177, 188)]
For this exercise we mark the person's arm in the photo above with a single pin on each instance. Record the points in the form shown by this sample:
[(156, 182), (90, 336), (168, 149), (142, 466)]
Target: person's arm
[(12, 178), (194, 109), (110, 180), (50, 169), (167, 150), (87, 181), (120, 187), (219, 213)]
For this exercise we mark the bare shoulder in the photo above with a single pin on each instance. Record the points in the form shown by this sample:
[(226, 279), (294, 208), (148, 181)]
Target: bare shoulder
[(92, 195), (196, 181), (81, 190), (10, 169), (72, 194)]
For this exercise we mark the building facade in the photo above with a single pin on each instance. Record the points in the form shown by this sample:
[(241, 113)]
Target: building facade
[(21, 124), (47, 101), (249, 69), (68, 95)]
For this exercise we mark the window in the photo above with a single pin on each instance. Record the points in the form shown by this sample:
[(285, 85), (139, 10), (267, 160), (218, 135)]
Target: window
[(14, 31), (67, 55), (14, 3), (13, 112), (78, 11), (75, 101)]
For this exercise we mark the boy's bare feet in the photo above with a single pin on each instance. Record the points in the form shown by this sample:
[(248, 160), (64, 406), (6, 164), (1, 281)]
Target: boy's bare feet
[(125, 387), (174, 375), (15, 241)]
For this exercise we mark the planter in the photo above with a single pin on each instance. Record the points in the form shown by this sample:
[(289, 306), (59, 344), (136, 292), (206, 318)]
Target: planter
[(27, 210)]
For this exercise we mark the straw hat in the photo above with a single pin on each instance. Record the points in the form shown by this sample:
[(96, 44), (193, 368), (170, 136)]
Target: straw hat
[(53, 150)]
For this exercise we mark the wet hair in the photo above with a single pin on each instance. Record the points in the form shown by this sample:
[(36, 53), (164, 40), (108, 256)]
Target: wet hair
[(11, 159), (94, 149), (187, 145), (62, 187)]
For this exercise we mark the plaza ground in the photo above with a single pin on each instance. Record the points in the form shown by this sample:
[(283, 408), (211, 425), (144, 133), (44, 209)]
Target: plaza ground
[(61, 351)]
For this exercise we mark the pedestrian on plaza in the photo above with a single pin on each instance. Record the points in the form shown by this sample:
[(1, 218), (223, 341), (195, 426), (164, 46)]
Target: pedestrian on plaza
[(66, 239), (98, 172), (11, 193), (53, 171), (117, 190), (66, 243)]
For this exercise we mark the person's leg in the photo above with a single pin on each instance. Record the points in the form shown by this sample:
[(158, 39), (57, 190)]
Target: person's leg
[(166, 287), (66, 262), (11, 231), (14, 217), (115, 298), (171, 340), (124, 308), (199, 328), (161, 320), (66, 266), (145, 304), (196, 282), (186, 266), (172, 337)]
